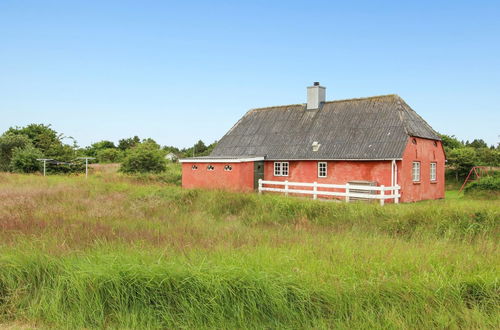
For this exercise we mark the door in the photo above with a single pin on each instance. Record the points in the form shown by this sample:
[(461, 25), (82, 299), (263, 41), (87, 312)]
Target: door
[(258, 173)]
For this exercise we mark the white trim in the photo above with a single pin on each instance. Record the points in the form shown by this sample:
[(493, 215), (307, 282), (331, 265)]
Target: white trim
[(220, 160)]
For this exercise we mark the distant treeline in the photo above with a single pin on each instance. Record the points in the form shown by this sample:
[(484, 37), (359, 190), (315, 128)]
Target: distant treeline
[(463, 155), (20, 147)]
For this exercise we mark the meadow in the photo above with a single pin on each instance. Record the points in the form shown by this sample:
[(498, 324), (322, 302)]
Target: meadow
[(117, 251)]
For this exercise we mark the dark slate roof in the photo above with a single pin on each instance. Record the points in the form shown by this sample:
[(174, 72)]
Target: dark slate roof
[(367, 128)]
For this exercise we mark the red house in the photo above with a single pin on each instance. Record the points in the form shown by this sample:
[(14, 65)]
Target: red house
[(378, 140)]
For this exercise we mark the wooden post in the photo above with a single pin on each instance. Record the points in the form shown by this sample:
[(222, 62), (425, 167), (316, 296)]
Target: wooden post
[(260, 186), (286, 187), (347, 192), (382, 195), (396, 199), (315, 189)]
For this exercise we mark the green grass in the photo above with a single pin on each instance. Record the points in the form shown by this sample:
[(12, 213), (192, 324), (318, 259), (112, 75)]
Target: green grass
[(115, 252)]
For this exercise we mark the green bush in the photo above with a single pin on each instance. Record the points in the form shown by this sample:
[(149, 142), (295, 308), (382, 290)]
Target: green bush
[(9, 142), (24, 160), (145, 158), (109, 155), (486, 186)]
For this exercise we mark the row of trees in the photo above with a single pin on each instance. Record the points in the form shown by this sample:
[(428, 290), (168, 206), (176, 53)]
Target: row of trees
[(463, 155), (20, 147)]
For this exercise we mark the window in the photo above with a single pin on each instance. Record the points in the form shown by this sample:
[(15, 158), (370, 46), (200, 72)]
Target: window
[(281, 168), (433, 171), (415, 172), (194, 167), (322, 169), (228, 168), (210, 168)]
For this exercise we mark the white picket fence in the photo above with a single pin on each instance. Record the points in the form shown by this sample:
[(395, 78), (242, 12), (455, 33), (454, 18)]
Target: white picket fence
[(379, 191)]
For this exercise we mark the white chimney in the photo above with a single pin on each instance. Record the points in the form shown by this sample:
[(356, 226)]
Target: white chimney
[(315, 96)]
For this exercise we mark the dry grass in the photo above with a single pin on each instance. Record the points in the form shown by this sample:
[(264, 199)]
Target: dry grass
[(432, 264)]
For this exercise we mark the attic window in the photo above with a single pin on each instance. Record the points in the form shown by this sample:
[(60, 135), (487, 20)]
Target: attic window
[(414, 141), (194, 167), (210, 168), (435, 144), (228, 168)]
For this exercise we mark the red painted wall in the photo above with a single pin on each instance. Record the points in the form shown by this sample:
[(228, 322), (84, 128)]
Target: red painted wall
[(240, 178), (425, 151), (339, 172)]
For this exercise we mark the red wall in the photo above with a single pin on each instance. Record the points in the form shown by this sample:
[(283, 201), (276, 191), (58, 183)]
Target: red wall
[(240, 178), (425, 152), (339, 172)]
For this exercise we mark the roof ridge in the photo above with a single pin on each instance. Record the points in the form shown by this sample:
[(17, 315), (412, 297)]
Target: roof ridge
[(333, 101)]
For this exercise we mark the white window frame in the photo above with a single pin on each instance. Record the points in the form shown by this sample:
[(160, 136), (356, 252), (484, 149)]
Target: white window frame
[(415, 171), (281, 168), (433, 171), (321, 170)]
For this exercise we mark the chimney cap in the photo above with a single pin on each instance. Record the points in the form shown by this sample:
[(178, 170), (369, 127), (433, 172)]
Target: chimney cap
[(316, 83)]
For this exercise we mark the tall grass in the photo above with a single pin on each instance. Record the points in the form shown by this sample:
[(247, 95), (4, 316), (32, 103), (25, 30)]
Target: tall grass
[(113, 252)]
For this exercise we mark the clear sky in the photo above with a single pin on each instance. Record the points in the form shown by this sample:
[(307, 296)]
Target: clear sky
[(186, 70)]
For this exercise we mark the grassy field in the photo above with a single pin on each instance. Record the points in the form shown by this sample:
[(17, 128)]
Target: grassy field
[(131, 252)]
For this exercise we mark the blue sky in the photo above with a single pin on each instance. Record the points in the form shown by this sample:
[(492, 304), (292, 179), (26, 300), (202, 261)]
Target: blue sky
[(186, 70)]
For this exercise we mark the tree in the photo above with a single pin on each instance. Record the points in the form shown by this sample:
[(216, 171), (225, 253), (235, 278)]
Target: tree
[(9, 142), (144, 158), (24, 160), (109, 155), (95, 148), (450, 142), (41, 136), (477, 144), (462, 160), (129, 143)]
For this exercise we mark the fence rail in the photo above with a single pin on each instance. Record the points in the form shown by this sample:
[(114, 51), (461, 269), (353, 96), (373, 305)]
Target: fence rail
[(378, 192)]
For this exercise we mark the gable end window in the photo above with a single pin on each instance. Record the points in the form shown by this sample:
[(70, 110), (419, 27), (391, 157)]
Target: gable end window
[(415, 172), (281, 168), (322, 169), (433, 171)]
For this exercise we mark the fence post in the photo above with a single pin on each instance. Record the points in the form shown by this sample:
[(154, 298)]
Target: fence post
[(260, 186), (286, 187), (382, 192), (315, 189), (396, 199), (347, 192)]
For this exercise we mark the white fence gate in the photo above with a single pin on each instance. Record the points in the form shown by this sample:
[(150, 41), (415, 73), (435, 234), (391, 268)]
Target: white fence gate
[(315, 191)]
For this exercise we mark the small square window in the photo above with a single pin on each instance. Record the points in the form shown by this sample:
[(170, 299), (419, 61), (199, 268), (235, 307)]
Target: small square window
[(415, 172), (194, 167), (228, 168), (322, 169), (433, 171), (281, 168), (210, 168)]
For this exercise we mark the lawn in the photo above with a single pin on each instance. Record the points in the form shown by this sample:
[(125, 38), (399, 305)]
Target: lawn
[(140, 252)]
